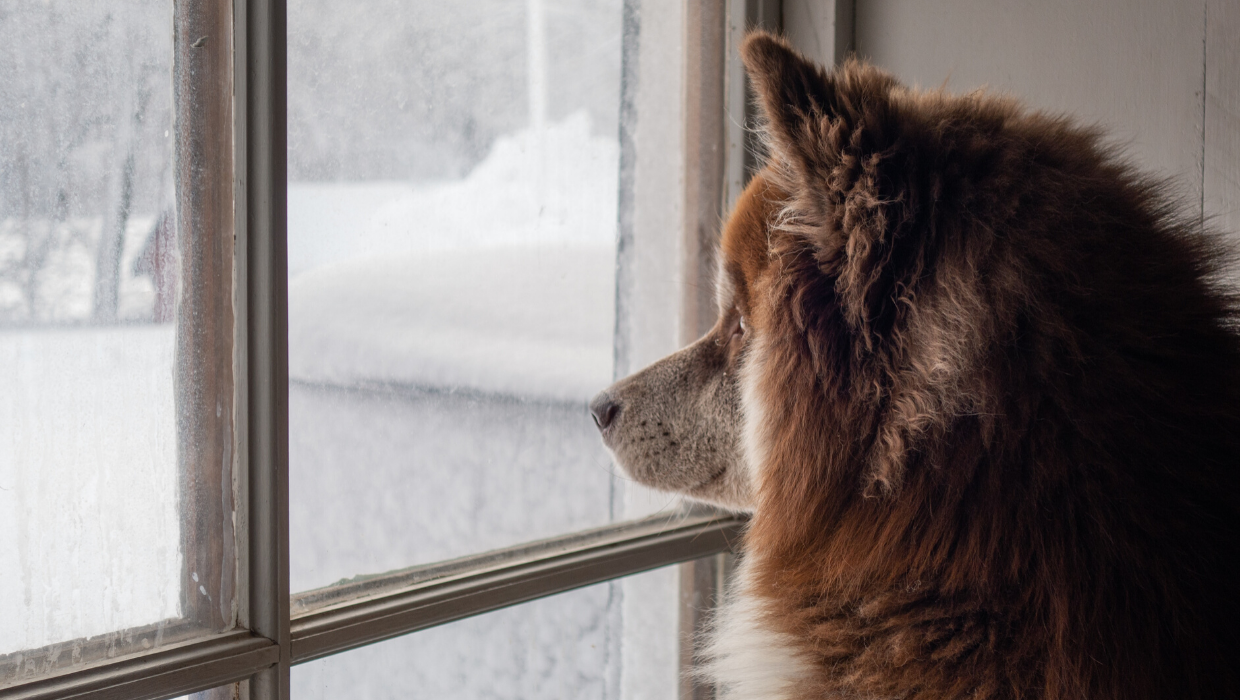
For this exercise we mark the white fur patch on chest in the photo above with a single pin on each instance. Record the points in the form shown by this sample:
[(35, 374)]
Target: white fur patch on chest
[(745, 657)]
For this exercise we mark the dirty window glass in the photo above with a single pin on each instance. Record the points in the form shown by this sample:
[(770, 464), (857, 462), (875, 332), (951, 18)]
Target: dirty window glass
[(115, 333), (453, 178)]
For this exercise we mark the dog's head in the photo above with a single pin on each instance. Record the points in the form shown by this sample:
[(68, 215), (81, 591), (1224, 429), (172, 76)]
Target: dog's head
[(850, 289), (676, 425)]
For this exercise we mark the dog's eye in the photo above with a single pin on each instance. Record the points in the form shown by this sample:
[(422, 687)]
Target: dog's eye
[(740, 329)]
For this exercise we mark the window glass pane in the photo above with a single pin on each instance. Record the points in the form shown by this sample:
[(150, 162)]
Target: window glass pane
[(453, 188), (603, 642), (116, 330)]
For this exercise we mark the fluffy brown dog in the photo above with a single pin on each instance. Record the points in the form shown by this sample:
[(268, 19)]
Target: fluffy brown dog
[(977, 384)]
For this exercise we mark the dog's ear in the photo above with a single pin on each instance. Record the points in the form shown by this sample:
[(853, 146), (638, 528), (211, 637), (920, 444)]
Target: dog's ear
[(855, 165), (813, 116), (834, 147), (797, 98)]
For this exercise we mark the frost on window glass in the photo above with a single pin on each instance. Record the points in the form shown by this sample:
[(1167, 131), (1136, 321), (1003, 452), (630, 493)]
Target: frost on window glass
[(453, 178), (113, 541)]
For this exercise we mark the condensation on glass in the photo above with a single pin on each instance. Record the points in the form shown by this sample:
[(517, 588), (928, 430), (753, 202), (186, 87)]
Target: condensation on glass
[(116, 329), (453, 179)]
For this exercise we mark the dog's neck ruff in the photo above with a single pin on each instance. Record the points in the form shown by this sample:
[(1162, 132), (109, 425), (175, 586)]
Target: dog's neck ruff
[(744, 657)]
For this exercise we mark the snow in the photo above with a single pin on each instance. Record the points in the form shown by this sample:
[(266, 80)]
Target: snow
[(448, 347), (531, 651), (87, 483), (557, 184), (502, 282), (379, 482), (442, 352), (535, 322), (444, 338), (565, 647)]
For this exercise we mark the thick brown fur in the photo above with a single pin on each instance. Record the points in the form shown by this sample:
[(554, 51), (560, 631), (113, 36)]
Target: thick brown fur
[(998, 388), (979, 386)]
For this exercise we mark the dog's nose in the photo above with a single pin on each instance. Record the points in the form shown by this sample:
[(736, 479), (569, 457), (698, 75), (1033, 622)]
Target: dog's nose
[(604, 410)]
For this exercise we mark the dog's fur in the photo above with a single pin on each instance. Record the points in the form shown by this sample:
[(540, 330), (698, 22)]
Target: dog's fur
[(979, 387)]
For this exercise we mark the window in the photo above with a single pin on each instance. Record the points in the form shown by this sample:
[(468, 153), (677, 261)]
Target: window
[(452, 241), (239, 361), (117, 395)]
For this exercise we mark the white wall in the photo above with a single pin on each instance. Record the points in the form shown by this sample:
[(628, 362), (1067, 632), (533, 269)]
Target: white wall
[(1137, 67)]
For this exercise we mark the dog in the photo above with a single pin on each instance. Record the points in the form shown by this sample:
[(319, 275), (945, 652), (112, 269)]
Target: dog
[(978, 383)]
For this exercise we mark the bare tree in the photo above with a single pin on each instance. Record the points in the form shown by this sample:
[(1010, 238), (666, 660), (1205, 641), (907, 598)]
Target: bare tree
[(84, 92), (112, 239)]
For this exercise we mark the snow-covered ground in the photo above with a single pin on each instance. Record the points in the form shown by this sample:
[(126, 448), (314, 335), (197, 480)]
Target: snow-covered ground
[(87, 483), (442, 350), (530, 321)]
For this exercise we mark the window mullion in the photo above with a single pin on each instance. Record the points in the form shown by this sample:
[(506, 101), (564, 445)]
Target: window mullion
[(202, 77), (261, 113)]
